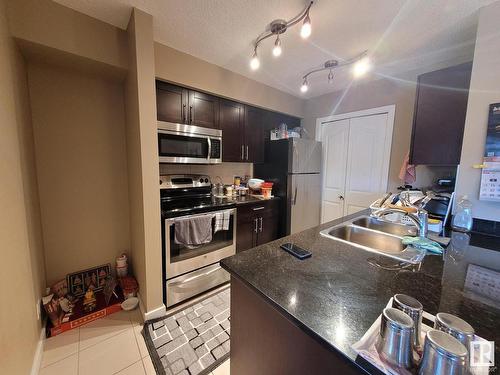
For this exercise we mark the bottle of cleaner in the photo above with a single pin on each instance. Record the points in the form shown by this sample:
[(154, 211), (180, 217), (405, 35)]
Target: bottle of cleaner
[(462, 220)]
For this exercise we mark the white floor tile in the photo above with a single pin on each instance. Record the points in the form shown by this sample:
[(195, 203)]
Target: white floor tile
[(223, 369), (66, 366), (148, 366), (102, 329), (140, 341), (136, 317), (60, 346), (111, 355), (135, 369)]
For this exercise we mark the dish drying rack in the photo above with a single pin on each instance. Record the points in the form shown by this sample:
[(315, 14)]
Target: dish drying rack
[(396, 217)]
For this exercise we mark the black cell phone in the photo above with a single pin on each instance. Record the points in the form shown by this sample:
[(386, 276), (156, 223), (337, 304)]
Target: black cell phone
[(296, 251)]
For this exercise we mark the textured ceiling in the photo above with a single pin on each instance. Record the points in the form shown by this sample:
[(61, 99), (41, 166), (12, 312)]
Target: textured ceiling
[(401, 35)]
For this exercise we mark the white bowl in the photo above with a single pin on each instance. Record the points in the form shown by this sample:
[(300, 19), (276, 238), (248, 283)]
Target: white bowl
[(255, 183), (130, 303)]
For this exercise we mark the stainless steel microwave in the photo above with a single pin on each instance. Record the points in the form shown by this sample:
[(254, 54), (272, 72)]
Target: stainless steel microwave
[(188, 144)]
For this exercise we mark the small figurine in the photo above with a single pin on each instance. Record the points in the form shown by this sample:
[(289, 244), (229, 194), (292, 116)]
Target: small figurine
[(89, 301)]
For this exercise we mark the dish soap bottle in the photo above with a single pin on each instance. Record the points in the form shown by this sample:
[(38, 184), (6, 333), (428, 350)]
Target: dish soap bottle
[(462, 220)]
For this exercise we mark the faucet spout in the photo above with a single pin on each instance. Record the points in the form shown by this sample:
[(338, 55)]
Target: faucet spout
[(419, 219)]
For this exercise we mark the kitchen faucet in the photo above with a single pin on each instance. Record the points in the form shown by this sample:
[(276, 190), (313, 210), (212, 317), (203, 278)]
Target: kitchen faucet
[(419, 218)]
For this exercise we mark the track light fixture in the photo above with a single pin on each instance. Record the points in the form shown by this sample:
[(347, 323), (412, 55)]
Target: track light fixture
[(361, 66), (278, 27)]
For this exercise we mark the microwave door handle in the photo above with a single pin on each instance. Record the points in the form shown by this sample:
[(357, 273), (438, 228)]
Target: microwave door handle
[(209, 148)]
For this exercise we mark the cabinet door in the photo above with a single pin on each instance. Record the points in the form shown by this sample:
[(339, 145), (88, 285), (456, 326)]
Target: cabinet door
[(171, 103), (255, 119), (231, 116), (246, 228), (439, 119), (268, 225), (203, 110)]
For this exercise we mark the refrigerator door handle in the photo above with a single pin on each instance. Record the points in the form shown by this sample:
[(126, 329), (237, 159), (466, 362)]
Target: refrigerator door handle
[(295, 197)]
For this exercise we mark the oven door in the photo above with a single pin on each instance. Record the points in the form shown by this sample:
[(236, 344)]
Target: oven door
[(180, 259)]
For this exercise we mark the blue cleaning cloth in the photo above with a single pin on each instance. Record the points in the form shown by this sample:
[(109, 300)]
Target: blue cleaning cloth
[(423, 244)]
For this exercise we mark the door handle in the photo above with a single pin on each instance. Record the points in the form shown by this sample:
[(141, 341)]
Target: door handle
[(184, 113), (242, 152), (260, 227), (341, 197), (190, 114), (247, 152), (255, 221)]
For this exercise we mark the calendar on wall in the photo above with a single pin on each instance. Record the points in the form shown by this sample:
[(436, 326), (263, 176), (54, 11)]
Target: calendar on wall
[(490, 177)]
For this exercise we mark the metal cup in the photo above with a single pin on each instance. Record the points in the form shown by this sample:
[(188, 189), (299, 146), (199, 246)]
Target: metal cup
[(414, 310), (456, 327), (443, 355), (395, 341)]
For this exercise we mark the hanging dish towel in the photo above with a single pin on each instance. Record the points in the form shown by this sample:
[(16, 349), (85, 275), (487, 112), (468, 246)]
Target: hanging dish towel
[(194, 231), (407, 174), (222, 220)]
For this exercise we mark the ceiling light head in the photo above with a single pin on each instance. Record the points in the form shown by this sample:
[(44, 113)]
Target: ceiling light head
[(277, 47), (330, 76), (361, 67), (254, 62), (305, 31), (304, 86)]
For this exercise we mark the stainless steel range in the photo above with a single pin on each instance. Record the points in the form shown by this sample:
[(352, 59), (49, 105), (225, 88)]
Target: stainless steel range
[(198, 230)]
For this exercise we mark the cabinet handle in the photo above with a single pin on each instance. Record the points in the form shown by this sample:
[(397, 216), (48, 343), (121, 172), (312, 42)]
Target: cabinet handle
[(190, 114), (184, 113), (260, 220), (255, 230), (242, 152), (247, 152), (258, 208)]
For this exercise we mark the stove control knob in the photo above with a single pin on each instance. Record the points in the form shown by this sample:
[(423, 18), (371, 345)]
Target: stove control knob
[(201, 180), (206, 180), (161, 182)]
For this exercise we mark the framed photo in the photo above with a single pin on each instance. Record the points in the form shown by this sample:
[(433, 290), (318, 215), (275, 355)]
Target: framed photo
[(79, 282)]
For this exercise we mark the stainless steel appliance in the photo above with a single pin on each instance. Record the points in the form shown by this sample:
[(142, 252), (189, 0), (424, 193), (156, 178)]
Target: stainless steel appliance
[(190, 270), (188, 144), (294, 166)]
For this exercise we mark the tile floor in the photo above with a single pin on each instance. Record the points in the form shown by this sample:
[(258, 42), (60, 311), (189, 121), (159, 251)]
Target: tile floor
[(112, 345)]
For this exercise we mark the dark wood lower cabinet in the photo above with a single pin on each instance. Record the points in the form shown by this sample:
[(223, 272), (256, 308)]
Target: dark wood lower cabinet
[(257, 224)]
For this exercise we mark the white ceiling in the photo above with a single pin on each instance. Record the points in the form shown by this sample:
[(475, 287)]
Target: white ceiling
[(401, 35)]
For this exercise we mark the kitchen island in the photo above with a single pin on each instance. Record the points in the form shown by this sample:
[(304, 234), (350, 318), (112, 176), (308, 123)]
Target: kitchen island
[(301, 317)]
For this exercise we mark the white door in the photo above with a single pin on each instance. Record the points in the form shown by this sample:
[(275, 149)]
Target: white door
[(335, 143), (356, 154)]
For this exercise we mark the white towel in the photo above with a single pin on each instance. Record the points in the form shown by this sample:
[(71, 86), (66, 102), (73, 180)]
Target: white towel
[(222, 220)]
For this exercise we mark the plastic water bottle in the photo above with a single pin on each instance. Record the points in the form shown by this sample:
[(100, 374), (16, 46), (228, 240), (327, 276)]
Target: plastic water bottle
[(462, 220)]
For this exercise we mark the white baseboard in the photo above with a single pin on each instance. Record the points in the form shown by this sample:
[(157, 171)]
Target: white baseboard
[(37, 358), (152, 314)]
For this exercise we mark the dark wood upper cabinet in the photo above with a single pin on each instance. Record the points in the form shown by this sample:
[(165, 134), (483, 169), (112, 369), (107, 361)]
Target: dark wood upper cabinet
[(439, 118), (171, 102), (255, 119), (231, 116), (203, 110)]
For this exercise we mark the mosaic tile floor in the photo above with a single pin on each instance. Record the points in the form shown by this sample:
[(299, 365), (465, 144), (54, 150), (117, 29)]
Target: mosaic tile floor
[(194, 340)]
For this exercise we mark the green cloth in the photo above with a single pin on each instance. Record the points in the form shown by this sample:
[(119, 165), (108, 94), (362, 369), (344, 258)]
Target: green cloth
[(423, 244)]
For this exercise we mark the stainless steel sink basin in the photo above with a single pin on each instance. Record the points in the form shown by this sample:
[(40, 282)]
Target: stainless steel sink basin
[(378, 237), (375, 240), (384, 226)]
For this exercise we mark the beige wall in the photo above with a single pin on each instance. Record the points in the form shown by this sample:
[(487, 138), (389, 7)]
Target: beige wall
[(178, 67), (143, 163), (484, 90), (47, 23), (79, 127), (20, 236), (370, 95)]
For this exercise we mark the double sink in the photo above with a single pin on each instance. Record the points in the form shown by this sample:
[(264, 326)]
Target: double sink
[(377, 236)]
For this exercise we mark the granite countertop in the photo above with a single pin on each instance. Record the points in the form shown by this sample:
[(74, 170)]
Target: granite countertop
[(245, 199), (336, 295)]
